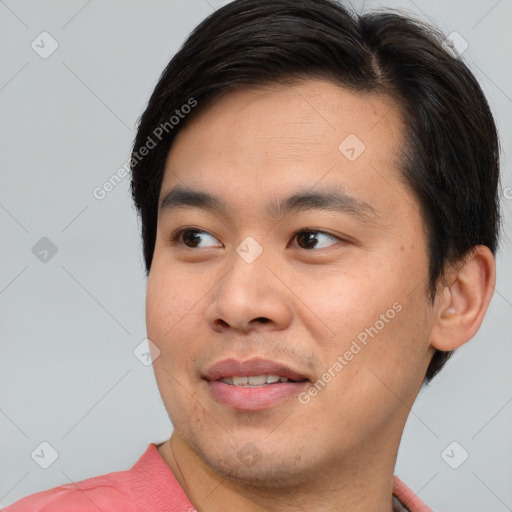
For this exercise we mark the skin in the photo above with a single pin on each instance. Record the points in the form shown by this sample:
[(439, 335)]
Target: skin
[(298, 304)]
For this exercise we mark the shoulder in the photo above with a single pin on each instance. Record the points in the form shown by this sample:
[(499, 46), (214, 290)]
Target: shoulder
[(406, 499), (148, 485), (106, 493)]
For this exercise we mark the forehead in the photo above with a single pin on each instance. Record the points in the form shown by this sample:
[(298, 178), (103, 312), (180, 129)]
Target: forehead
[(277, 138)]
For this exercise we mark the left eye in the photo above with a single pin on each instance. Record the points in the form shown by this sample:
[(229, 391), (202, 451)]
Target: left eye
[(307, 239)]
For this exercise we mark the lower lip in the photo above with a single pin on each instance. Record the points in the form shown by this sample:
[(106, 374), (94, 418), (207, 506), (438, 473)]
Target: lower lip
[(253, 398)]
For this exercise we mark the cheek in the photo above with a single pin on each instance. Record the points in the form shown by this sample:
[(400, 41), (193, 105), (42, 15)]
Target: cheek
[(377, 363), (175, 320), (393, 341), (372, 304), (169, 314), (346, 299), (172, 302)]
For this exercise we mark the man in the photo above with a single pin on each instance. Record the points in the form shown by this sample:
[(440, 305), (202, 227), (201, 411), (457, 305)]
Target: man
[(318, 197)]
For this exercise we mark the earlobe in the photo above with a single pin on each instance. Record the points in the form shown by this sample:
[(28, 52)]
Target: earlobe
[(463, 301)]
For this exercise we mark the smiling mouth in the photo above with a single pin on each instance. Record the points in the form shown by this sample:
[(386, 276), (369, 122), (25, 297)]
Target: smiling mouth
[(255, 380), (252, 385)]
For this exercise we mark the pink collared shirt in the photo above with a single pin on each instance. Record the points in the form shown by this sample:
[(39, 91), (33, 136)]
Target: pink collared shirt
[(149, 486)]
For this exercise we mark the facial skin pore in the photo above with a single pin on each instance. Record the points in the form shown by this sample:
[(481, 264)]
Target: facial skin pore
[(298, 303)]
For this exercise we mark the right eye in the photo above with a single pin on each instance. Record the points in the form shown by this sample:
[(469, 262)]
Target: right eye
[(192, 238)]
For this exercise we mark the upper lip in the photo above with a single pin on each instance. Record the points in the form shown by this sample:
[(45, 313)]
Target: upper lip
[(255, 366)]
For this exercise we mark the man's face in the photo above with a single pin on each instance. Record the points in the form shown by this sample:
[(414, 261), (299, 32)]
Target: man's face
[(340, 309)]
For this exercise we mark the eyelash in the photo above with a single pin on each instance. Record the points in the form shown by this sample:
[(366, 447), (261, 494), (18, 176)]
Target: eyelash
[(176, 237)]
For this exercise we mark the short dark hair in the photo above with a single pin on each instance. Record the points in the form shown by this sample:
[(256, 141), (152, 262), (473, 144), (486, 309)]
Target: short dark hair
[(451, 159)]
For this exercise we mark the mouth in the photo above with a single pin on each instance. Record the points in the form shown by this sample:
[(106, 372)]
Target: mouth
[(253, 384), (255, 380)]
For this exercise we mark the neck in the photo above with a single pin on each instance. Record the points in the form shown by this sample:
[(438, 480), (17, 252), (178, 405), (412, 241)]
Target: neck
[(362, 484)]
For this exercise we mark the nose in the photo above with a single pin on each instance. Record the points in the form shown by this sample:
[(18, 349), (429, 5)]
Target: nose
[(249, 297)]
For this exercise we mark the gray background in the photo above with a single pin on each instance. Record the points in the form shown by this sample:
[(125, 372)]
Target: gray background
[(69, 325)]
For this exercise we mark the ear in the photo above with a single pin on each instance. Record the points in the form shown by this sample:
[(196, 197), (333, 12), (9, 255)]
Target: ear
[(463, 299)]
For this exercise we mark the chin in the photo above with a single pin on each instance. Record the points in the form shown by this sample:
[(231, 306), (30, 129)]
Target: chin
[(266, 474), (240, 461)]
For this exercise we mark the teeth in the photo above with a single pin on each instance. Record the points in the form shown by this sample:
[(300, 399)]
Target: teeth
[(239, 381), (254, 380), (257, 380)]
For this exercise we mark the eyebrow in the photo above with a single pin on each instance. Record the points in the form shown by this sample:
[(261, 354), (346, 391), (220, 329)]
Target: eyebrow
[(330, 200)]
